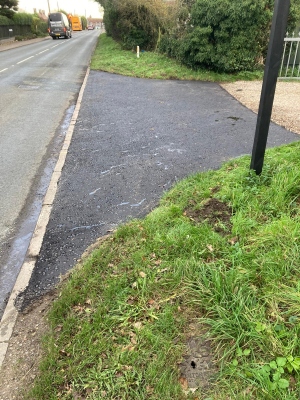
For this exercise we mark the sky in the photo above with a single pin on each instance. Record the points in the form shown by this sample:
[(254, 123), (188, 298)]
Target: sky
[(81, 7)]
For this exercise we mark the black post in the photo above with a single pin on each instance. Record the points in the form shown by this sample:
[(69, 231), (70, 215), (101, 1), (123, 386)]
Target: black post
[(275, 49)]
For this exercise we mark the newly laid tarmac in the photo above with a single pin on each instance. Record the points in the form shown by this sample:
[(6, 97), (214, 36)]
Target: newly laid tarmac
[(132, 140)]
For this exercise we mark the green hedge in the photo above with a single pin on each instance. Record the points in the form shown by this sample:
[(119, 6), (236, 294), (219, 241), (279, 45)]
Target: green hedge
[(136, 22), (23, 19), (224, 35), (18, 19), (5, 21)]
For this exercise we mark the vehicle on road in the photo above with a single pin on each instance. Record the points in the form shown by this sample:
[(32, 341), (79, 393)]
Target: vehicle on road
[(91, 27), (59, 26), (76, 23)]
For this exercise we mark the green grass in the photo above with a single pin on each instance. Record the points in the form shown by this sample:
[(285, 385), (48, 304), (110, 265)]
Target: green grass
[(110, 57), (120, 324)]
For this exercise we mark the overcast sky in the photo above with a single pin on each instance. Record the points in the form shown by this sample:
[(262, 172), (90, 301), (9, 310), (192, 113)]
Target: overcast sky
[(81, 7)]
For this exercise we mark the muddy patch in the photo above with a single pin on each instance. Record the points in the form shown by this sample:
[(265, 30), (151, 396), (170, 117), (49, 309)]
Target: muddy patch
[(214, 212)]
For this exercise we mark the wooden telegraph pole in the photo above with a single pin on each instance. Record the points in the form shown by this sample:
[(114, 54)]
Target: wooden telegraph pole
[(275, 50)]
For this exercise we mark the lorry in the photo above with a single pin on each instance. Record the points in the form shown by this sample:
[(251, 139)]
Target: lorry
[(76, 23)]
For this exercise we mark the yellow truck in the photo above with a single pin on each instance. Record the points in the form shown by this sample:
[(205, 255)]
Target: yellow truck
[(76, 23)]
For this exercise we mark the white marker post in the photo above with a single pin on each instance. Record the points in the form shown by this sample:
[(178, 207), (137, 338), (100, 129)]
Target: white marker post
[(138, 51)]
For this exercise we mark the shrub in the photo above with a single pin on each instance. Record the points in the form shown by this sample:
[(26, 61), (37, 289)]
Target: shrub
[(223, 35), (5, 21), (23, 19), (38, 26), (20, 38), (136, 22), (84, 22)]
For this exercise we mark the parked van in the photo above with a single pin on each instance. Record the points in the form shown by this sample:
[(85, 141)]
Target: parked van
[(59, 26)]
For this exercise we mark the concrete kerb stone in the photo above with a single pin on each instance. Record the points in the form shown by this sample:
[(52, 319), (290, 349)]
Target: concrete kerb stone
[(10, 314), (51, 192), (39, 232), (61, 161)]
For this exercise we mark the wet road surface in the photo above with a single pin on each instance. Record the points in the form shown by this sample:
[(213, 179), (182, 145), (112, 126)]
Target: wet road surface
[(39, 85)]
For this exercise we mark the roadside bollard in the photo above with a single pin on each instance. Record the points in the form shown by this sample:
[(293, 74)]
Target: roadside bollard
[(138, 51)]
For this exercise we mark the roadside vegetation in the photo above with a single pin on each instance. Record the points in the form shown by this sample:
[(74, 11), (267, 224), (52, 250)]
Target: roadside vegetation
[(219, 35), (29, 26), (220, 252), (109, 56)]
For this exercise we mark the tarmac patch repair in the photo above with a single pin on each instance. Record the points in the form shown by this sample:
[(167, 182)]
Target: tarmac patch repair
[(197, 369)]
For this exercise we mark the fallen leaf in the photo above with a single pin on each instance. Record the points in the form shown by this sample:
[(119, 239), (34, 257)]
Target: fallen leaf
[(162, 270), (183, 382), (234, 240), (133, 340), (210, 248), (138, 325), (149, 389), (142, 274)]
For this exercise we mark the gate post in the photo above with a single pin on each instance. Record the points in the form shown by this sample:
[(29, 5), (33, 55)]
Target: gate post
[(275, 48)]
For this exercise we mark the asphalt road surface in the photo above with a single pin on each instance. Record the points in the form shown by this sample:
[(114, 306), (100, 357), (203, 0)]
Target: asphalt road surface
[(134, 138), (39, 85)]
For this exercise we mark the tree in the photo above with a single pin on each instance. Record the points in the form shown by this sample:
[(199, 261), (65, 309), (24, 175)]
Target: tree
[(83, 22), (8, 8)]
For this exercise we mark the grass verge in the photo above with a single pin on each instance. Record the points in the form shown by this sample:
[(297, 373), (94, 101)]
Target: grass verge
[(110, 57), (221, 251)]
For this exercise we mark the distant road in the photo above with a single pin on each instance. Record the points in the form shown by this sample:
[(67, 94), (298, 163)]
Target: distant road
[(39, 85)]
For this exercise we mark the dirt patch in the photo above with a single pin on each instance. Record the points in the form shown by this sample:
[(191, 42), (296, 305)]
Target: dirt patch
[(214, 212), (20, 366)]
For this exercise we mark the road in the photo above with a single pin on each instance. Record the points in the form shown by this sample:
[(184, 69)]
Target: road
[(39, 85)]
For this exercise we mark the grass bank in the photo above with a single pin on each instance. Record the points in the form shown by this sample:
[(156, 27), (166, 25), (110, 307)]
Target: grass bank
[(110, 57), (218, 259)]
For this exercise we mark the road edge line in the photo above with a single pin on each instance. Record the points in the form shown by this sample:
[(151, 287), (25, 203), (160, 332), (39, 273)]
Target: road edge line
[(10, 314)]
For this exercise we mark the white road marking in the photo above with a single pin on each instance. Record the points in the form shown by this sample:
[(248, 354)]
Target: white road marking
[(25, 60), (43, 51)]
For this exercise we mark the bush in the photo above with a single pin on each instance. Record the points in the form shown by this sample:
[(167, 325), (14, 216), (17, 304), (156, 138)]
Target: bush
[(20, 38), (39, 26), (224, 35), (23, 19), (84, 22), (136, 22), (5, 21)]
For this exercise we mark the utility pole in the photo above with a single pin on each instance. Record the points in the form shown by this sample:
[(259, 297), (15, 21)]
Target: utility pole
[(275, 50), (48, 6)]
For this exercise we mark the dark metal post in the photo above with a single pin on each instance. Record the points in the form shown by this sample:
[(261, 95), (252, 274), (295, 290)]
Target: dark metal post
[(275, 49)]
